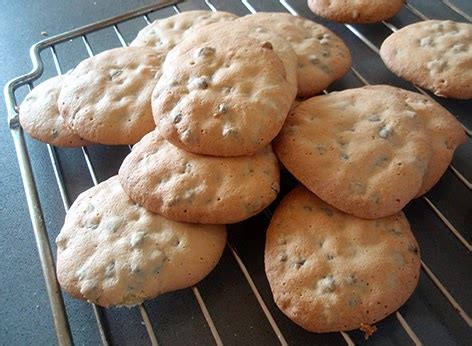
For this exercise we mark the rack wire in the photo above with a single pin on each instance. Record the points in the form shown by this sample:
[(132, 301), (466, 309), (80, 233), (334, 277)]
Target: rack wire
[(268, 312)]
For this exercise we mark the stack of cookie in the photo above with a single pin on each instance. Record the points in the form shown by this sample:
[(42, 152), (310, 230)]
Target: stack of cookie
[(203, 96)]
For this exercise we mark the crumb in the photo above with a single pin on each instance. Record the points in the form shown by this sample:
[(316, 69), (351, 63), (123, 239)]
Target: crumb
[(368, 330), (44, 33)]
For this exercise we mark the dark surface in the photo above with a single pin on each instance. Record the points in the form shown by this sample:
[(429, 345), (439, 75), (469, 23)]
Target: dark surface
[(177, 319)]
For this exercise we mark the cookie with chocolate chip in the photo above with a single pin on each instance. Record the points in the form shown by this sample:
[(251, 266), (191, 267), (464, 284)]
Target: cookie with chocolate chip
[(354, 148), (107, 98), (442, 52), (222, 94), (165, 34), (322, 56), (40, 118), (359, 11), (198, 188), (329, 271), (113, 252)]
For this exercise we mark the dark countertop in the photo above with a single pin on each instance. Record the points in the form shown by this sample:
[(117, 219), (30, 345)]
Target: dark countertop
[(25, 315)]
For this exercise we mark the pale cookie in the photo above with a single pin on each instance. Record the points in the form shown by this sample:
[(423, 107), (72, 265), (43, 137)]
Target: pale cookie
[(364, 151), (322, 56), (107, 98), (165, 34), (442, 52), (40, 117), (357, 11), (444, 132), (222, 94), (113, 252), (329, 271), (196, 188)]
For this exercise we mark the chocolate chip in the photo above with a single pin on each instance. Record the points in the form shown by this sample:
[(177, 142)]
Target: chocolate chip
[(267, 45)]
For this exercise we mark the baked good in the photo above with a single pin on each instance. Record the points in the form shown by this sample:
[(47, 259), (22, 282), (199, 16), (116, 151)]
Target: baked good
[(442, 51), (221, 94), (107, 98), (164, 34), (198, 188), (322, 56), (444, 131), (113, 252), (329, 271), (40, 118), (365, 151), (359, 11)]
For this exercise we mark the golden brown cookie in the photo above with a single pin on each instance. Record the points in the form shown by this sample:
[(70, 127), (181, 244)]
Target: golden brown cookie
[(358, 11), (113, 252), (40, 117), (196, 188), (107, 98), (329, 271), (222, 94), (355, 148), (322, 56), (442, 52)]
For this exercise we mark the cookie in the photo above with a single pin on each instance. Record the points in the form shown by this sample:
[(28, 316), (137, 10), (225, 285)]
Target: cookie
[(442, 52), (364, 151), (196, 188), (40, 117), (322, 56), (107, 98), (164, 34), (222, 94), (444, 132), (329, 271), (112, 252), (360, 11)]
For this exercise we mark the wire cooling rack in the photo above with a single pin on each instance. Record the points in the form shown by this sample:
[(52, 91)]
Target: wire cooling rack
[(234, 305)]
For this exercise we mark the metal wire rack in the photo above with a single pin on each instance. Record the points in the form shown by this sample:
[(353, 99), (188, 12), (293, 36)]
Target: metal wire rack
[(441, 220)]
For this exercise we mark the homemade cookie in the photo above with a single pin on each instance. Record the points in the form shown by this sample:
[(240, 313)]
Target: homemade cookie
[(164, 34), (444, 132), (322, 56), (359, 11), (113, 252), (107, 98), (196, 188), (329, 271), (40, 117), (442, 52), (222, 94), (365, 151)]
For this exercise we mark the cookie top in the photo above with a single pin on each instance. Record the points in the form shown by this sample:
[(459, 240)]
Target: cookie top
[(196, 188), (222, 94), (364, 151), (329, 271), (281, 46), (322, 56), (164, 34), (40, 117), (444, 131), (113, 252), (359, 11), (107, 98), (443, 56)]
